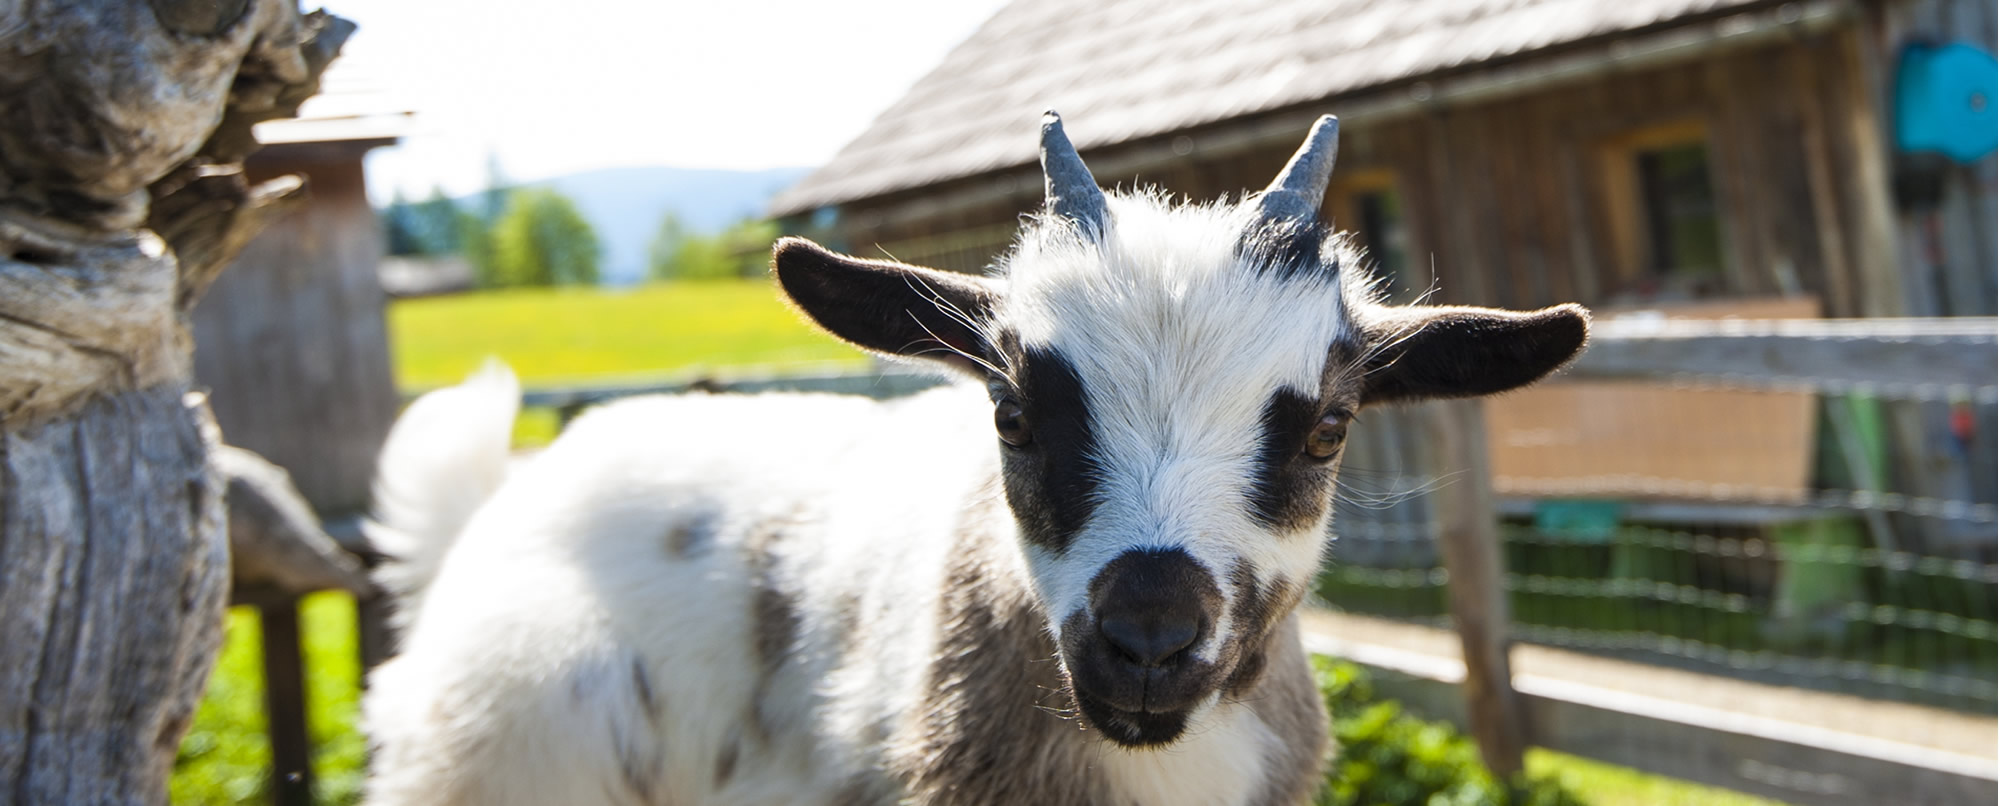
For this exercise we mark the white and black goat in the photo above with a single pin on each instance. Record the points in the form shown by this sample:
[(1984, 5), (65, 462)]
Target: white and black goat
[(1069, 581)]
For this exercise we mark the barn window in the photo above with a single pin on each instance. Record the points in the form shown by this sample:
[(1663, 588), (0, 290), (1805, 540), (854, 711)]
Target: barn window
[(1665, 220), (1683, 227), (1366, 204), (1379, 221)]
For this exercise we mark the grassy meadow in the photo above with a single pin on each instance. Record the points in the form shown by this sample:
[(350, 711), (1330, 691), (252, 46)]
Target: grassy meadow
[(567, 336)]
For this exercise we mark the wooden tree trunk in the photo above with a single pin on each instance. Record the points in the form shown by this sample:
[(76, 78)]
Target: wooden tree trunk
[(123, 125)]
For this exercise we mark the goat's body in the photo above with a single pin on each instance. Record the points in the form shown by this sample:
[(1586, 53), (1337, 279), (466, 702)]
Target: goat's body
[(760, 600)]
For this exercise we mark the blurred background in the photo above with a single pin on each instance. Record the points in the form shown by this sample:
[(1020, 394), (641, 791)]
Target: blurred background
[(1746, 548)]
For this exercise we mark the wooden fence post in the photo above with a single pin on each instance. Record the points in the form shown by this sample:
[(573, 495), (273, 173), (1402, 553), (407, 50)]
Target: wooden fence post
[(285, 702), (122, 197), (1468, 537)]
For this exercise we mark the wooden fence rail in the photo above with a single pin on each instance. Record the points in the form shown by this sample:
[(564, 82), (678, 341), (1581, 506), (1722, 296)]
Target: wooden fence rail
[(1954, 354)]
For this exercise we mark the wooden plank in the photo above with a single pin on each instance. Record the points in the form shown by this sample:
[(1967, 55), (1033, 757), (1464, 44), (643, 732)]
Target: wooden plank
[(836, 380), (1885, 288), (285, 703), (1790, 761), (1632, 438), (1748, 754), (1469, 542), (1462, 274), (1826, 214), (1893, 354), (293, 344)]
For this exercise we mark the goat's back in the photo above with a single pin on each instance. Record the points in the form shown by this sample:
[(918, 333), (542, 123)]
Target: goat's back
[(694, 599)]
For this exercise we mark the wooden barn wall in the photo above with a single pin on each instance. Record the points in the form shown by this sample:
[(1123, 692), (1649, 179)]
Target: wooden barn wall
[(291, 342), (1510, 199)]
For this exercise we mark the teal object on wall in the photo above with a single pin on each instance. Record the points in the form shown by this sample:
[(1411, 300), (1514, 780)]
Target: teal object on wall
[(1945, 98)]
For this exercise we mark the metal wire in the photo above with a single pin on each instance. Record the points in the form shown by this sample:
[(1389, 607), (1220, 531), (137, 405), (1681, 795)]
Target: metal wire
[(1873, 588)]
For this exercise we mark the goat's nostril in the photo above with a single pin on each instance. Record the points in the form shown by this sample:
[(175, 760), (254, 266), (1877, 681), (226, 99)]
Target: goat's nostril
[(1148, 641)]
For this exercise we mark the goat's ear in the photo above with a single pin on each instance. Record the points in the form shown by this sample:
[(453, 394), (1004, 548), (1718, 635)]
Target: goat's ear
[(1419, 352), (889, 307)]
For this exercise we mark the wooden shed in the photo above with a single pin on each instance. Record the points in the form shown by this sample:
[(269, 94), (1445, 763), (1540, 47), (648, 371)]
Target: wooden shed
[(1510, 153), (291, 342), (1664, 158), (293, 350)]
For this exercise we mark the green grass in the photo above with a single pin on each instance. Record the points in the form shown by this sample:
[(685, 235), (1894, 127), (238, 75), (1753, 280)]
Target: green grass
[(1611, 785), (225, 760), (568, 336), (557, 336)]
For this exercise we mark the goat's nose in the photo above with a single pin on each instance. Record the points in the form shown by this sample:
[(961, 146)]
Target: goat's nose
[(1149, 639)]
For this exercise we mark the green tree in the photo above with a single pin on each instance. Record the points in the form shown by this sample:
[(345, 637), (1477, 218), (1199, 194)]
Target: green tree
[(399, 227), (743, 250), (542, 239), (438, 225)]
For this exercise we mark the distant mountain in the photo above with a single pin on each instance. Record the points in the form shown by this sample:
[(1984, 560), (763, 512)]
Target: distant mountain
[(625, 206)]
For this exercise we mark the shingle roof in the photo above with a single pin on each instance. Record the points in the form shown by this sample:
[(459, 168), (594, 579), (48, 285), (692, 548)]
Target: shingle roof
[(1119, 70), (355, 102)]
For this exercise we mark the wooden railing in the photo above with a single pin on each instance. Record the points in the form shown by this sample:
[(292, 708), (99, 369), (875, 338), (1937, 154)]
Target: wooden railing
[(1954, 354)]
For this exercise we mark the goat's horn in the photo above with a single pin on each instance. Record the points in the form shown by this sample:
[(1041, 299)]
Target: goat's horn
[(1070, 190), (1297, 191)]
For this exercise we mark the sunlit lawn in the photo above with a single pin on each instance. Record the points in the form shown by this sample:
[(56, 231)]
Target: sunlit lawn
[(553, 337), (225, 761), (557, 336), (1611, 785)]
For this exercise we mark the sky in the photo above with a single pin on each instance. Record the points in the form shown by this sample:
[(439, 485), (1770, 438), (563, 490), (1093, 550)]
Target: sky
[(551, 88)]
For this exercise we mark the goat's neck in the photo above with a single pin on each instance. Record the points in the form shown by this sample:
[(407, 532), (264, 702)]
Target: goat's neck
[(994, 697)]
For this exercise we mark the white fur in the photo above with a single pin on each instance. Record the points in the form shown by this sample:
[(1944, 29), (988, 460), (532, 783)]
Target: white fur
[(515, 682), (564, 577), (1182, 343), (1225, 748), (444, 457)]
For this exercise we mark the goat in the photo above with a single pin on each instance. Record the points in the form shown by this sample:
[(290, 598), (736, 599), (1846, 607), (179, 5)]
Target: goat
[(1068, 580)]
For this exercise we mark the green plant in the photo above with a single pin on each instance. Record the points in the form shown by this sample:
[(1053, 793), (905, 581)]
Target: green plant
[(1389, 757)]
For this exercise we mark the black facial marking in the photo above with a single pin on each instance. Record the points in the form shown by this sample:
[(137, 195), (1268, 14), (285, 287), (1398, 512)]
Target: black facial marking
[(1287, 492), (1258, 610), (1288, 248), (1052, 481)]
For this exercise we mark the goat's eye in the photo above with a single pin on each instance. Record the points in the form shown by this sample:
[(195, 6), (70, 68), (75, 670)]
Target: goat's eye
[(1012, 423), (1324, 440)]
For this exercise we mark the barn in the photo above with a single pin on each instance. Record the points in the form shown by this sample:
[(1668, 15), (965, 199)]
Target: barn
[(1632, 154), (1652, 159)]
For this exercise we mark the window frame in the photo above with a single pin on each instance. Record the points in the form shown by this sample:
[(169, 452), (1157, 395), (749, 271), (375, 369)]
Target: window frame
[(1627, 214)]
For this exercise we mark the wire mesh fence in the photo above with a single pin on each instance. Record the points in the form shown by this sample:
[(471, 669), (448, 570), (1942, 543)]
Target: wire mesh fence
[(1816, 532)]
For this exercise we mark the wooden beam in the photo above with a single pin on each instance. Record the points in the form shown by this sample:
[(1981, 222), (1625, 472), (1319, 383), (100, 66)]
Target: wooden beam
[(1469, 541), (1887, 353), (1793, 762), (285, 702), (1751, 754)]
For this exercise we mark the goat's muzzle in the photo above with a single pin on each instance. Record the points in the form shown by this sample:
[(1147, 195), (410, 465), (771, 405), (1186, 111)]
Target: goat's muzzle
[(1132, 654)]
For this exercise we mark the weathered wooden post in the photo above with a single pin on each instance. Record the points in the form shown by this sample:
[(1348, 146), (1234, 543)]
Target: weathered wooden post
[(1469, 539), (123, 126)]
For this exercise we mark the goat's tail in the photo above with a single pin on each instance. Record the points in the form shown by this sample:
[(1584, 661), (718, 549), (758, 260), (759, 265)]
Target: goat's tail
[(444, 457)]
